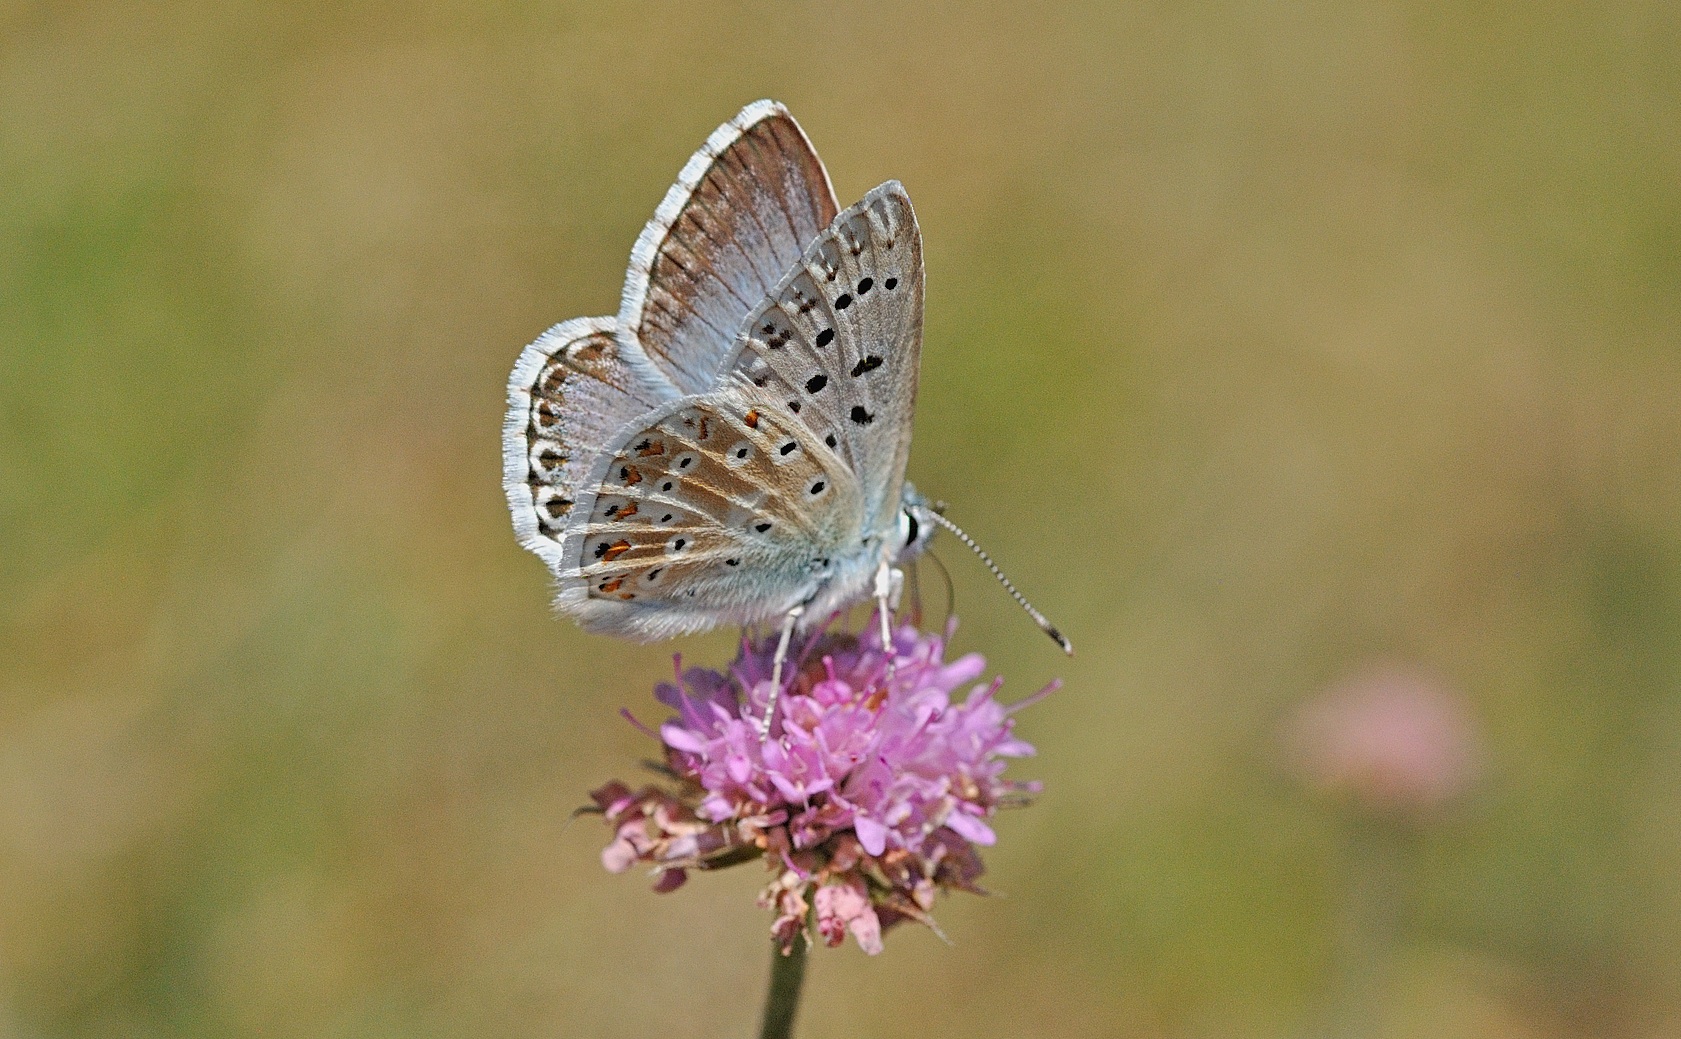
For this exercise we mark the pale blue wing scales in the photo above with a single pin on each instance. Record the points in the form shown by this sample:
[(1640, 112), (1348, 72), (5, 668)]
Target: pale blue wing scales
[(742, 211), (711, 509), (839, 341), (569, 392)]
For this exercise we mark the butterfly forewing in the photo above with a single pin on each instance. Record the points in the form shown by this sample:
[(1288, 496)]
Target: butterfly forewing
[(569, 392), (839, 339), (742, 211), (711, 508)]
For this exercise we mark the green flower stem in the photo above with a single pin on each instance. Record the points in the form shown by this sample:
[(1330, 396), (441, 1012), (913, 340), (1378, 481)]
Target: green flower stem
[(783, 999), (1375, 903)]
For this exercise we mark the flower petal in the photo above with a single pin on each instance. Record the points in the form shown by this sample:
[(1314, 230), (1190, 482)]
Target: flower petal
[(871, 834), (971, 829), (618, 856), (866, 931), (678, 738)]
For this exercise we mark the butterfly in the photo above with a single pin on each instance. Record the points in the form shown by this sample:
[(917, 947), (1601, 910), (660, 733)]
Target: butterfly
[(731, 447)]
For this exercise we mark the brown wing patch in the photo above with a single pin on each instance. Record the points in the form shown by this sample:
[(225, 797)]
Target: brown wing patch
[(740, 491)]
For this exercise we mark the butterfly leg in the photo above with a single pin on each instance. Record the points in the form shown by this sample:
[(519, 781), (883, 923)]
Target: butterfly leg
[(889, 584), (788, 622)]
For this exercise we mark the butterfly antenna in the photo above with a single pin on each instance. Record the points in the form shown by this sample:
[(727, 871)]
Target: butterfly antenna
[(1038, 618), (945, 578)]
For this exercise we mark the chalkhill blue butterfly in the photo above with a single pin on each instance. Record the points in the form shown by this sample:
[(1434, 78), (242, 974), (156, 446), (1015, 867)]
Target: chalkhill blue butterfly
[(731, 448)]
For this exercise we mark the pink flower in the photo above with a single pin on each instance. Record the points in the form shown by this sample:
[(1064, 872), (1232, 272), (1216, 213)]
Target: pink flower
[(869, 797), (844, 905), (1390, 740)]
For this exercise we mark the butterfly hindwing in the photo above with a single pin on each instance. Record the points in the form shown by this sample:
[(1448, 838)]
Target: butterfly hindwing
[(742, 211), (838, 342), (569, 391), (714, 508)]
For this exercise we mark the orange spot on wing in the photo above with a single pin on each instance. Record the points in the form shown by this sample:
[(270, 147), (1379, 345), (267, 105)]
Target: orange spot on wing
[(752, 418), (613, 585), (632, 475), (628, 511), (615, 550), (651, 447)]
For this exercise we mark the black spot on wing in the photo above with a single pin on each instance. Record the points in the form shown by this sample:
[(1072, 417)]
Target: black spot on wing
[(866, 364)]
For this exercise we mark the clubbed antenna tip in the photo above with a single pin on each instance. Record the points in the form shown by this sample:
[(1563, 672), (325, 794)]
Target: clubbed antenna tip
[(1060, 639)]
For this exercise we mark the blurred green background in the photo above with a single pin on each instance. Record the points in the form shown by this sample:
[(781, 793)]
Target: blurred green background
[(1266, 344)]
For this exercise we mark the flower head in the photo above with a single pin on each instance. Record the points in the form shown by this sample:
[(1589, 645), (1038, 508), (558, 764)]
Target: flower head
[(1391, 741), (870, 796)]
